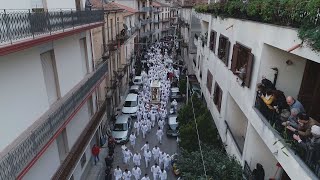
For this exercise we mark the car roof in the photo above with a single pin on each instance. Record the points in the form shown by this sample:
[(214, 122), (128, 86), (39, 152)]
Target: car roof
[(131, 97), (173, 120), (138, 77), (134, 87), (123, 118), (175, 89)]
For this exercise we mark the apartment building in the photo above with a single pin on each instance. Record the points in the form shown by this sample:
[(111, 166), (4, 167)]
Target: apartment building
[(224, 46), (49, 108), (116, 39)]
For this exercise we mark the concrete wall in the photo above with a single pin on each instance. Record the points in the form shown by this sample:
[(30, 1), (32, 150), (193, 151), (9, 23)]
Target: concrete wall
[(23, 97), (257, 152), (290, 76), (46, 166), (68, 61), (77, 124)]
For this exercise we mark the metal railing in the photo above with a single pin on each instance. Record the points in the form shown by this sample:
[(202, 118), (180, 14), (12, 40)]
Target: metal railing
[(15, 25), (22, 154), (145, 21), (156, 21), (145, 9)]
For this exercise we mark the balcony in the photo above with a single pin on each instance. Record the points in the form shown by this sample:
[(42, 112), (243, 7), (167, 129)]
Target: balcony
[(146, 34), (145, 21), (123, 37), (112, 45), (165, 20), (156, 21), (155, 10), (297, 154), (22, 27), (145, 9), (16, 161)]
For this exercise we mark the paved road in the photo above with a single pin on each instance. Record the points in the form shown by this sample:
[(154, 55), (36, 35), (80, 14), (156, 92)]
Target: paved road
[(168, 145)]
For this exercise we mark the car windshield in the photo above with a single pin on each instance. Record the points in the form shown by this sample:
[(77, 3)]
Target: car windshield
[(175, 93), (132, 91), (130, 104), (137, 80), (121, 127), (173, 126)]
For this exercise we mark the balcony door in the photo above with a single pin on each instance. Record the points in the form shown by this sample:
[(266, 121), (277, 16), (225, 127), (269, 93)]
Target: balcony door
[(309, 94)]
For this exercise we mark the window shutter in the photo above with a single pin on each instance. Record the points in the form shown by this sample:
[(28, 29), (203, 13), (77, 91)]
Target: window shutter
[(226, 60), (211, 40), (215, 97), (220, 99), (249, 69), (234, 57), (219, 48), (214, 42)]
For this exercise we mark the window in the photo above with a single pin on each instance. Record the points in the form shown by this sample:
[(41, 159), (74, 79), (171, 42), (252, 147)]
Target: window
[(217, 96), (223, 50), (212, 44), (209, 81), (242, 62)]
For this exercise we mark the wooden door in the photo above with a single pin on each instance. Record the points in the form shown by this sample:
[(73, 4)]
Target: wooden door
[(309, 94)]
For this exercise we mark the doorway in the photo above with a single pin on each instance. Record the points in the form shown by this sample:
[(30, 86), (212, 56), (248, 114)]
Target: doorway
[(309, 94)]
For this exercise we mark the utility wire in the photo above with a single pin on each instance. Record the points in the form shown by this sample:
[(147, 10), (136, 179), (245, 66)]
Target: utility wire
[(194, 117)]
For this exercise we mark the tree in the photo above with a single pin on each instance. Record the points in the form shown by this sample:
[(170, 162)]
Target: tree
[(218, 164)]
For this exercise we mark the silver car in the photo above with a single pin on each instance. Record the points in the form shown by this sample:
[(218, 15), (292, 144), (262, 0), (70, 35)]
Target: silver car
[(122, 129)]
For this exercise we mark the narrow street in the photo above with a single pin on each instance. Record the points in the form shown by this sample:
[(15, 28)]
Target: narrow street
[(169, 144)]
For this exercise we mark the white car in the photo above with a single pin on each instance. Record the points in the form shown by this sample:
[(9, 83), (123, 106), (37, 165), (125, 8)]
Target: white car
[(134, 89), (130, 105), (122, 129), (137, 80)]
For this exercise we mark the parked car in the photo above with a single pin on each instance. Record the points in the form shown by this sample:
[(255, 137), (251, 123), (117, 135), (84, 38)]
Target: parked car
[(134, 89), (137, 80), (195, 89), (173, 126), (175, 94), (122, 129), (130, 105)]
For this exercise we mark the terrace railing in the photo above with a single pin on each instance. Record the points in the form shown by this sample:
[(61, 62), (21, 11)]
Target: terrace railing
[(18, 25)]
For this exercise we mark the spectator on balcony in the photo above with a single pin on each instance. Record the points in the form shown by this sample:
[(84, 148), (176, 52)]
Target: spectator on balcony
[(311, 145), (279, 103), (268, 98), (305, 124), (293, 103), (293, 118)]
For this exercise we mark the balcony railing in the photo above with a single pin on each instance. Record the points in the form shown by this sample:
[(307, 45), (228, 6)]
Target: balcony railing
[(156, 21), (275, 120), (145, 9), (14, 161), (145, 21), (165, 20), (148, 33), (16, 25), (155, 10)]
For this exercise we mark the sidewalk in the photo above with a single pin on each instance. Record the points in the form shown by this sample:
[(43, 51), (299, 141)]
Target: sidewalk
[(96, 172)]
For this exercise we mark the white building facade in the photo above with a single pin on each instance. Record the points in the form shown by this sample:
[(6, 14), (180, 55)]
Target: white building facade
[(49, 90), (231, 99)]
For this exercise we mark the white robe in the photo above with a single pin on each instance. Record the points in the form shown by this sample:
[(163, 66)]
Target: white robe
[(163, 175), (117, 174), (136, 173), (127, 175)]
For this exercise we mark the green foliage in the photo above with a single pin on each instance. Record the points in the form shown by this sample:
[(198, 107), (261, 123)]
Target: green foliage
[(294, 13), (208, 133), (218, 164)]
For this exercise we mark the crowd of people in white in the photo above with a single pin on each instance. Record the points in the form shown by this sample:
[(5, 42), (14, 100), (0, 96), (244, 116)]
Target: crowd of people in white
[(149, 115)]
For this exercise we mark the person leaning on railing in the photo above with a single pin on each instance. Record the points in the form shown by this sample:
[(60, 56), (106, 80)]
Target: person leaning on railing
[(305, 124), (311, 145)]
